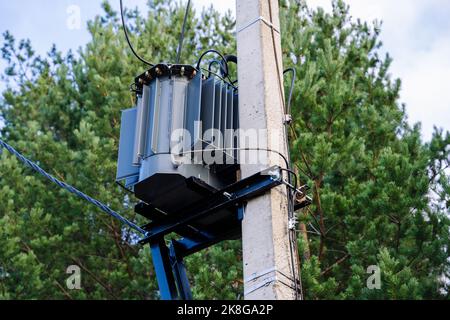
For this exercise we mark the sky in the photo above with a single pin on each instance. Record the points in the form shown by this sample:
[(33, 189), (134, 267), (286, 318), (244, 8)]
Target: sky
[(416, 33)]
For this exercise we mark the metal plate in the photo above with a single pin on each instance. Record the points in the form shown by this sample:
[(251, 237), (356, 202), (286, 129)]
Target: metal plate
[(193, 114), (125, 167), (218, 113), (153, 118), (208, 103)]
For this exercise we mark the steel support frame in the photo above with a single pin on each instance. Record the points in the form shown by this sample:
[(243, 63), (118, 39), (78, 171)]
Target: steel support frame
[(170, 272), (168, 261)]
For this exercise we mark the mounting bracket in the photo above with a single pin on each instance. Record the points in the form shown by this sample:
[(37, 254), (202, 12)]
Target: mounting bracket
[(212, 220)]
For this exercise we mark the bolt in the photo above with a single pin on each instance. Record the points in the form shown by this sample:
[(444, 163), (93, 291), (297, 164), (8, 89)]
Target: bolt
[(228, 195), (287, 119), (292, 223)]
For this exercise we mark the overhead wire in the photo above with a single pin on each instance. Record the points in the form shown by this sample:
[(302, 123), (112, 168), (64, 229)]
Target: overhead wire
[(183, 29), (70, 188), (128, 39)]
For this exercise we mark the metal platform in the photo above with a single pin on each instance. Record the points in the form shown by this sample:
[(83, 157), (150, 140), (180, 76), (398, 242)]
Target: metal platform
[(212, 219)]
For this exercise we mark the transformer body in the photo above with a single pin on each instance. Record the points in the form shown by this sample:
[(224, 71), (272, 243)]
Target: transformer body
[(180, 116)]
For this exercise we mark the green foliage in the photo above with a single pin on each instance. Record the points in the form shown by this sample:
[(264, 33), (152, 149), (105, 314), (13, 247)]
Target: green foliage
[(381, 195), (64, 111)]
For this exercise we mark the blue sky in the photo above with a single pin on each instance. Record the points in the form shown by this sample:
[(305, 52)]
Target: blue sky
[(415, 32)]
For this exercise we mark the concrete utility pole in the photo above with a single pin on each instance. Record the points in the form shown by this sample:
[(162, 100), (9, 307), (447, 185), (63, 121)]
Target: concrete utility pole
[(269, 265)]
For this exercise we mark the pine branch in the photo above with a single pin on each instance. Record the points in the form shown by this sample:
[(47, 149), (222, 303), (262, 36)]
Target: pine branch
[(337, 263)]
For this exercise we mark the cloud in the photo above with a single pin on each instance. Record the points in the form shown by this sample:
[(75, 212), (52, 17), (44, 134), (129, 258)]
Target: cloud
[(426, 86), (416, 34), (222, 6)]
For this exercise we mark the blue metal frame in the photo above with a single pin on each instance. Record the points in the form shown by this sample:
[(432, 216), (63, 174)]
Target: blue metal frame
[(163, 270), (168, 262), (179, 271)]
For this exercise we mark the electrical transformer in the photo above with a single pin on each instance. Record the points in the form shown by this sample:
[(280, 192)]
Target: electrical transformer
[(179, 143)]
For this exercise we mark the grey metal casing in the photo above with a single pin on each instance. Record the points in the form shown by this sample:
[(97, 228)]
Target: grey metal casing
[(146, 157), (125, 167)]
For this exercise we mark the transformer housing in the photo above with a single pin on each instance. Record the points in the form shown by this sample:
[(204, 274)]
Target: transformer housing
[(181, 117)]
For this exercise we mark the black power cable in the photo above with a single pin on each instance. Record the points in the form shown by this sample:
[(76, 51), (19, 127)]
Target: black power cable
[(291, 90), (211, 64), (228, 58), (218, 77), (70, 188), (225, 63), (183, 29), (290, 194), (128, 39)]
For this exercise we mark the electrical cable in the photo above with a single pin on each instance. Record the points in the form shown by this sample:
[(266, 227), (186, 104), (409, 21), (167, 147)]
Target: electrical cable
[(199, 61), (128, 39), (288, 107), (228, 58), (290, 172), (238, 149), (124, 188), (70, 189), (228, 81), (282, 156), (290, 195), (291, 90), (180, 45), (211, 64), (218, 76)]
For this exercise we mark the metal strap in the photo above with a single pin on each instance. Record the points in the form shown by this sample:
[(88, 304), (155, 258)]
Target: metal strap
[(262, 19), (258, 275), (267, 281)]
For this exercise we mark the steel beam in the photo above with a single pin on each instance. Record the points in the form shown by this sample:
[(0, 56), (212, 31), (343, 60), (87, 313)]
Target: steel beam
[(163, 270), (234, 195), (168, 262), (179, 271)]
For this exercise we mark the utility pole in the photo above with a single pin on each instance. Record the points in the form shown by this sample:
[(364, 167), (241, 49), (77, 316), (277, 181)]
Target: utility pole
[(270, 264)]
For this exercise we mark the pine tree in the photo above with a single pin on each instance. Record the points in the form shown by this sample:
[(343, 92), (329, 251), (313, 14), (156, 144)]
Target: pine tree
[(370, 173), (64, 112)]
